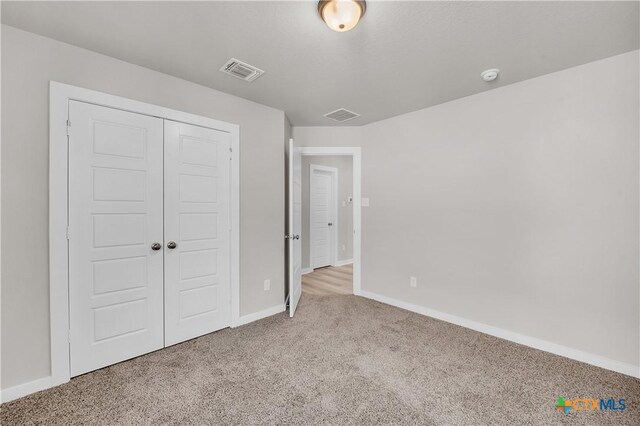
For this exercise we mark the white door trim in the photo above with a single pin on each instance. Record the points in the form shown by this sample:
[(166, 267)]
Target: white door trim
[(333, 257), (59, 97), (356, 154)]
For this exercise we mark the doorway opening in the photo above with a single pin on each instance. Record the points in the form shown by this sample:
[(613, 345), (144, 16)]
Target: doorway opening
[(324, 222), (327, 222)]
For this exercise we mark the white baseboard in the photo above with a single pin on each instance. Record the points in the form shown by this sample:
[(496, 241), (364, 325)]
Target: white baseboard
[(246, 319), (338, 263), (25, 389), (543, 345)]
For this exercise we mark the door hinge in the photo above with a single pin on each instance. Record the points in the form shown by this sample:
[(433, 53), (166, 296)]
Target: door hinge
[(68, 127), (68, 233)]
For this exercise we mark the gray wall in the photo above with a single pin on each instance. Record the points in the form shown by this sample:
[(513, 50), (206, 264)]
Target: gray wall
[(28, 63), (516, 207), (344, 164)]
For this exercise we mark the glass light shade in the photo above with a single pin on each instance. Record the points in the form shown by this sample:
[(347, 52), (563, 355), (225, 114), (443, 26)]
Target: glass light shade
[(341, 15)]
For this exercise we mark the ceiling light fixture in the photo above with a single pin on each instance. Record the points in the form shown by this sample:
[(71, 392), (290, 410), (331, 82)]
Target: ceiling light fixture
[(341, 15)]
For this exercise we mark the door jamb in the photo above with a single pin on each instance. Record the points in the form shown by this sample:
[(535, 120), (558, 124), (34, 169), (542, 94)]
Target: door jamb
[(356, 155), (334, 211), (59, 96)]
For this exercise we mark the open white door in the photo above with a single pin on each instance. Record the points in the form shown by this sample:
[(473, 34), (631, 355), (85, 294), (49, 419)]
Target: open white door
[(294, 227)]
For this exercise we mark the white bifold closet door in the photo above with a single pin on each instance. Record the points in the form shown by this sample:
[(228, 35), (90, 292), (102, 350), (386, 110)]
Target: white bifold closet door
[(148, 234), (115, 216), (196, 208)]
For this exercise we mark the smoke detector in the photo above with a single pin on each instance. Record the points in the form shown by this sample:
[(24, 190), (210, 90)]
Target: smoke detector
[(241, 70), (490, 75)]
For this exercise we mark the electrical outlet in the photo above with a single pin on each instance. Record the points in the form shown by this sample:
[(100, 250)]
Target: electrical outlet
[(344, 247), (413, 281), (267, 285)]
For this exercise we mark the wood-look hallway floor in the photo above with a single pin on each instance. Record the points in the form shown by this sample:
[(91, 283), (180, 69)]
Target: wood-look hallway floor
[(328, 281)]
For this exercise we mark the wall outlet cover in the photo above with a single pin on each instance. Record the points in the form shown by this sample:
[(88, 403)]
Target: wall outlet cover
[(267, 285), (413, 282)]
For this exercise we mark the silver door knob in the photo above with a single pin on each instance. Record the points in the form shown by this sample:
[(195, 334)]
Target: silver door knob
[(296, 237), (172, 245), (156, 246), (330, 224)]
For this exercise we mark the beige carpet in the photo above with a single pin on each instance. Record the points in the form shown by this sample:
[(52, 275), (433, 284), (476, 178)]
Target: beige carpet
[(341, 360)]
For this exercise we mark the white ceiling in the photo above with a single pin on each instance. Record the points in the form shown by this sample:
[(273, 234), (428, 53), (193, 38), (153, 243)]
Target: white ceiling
[(403, 56)]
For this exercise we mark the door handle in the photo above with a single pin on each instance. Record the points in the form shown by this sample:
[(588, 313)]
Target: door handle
[(330, 223), (296, 237), (172, 245), (156, 246)]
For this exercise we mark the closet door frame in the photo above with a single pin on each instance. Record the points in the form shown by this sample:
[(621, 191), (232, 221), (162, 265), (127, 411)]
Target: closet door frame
[(59, 129)]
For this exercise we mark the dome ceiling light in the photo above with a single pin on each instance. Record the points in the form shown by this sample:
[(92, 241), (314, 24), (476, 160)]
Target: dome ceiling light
[(341, 15)]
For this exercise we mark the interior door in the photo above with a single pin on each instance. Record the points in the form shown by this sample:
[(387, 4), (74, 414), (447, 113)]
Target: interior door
[(295, 227), (115, 236), (320, 224), (197, 231)]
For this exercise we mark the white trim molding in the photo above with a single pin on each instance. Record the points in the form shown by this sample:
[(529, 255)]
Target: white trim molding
[(344, 262), (306, 271), (532, 342), (25, 389), (60, 96), (246, 319), (356, 154)]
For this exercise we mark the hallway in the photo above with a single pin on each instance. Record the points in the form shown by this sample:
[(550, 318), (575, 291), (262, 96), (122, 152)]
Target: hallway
[(329, 281)]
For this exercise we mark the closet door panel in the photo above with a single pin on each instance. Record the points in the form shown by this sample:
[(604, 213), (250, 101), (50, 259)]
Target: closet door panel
[(115, 215), (196, 206)]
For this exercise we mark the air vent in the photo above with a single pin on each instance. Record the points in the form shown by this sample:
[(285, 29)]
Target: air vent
[(241, 70), (341, 115)]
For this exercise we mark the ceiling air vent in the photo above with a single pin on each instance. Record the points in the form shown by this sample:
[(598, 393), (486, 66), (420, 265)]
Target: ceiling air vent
[(341, 115), (241, 70)]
